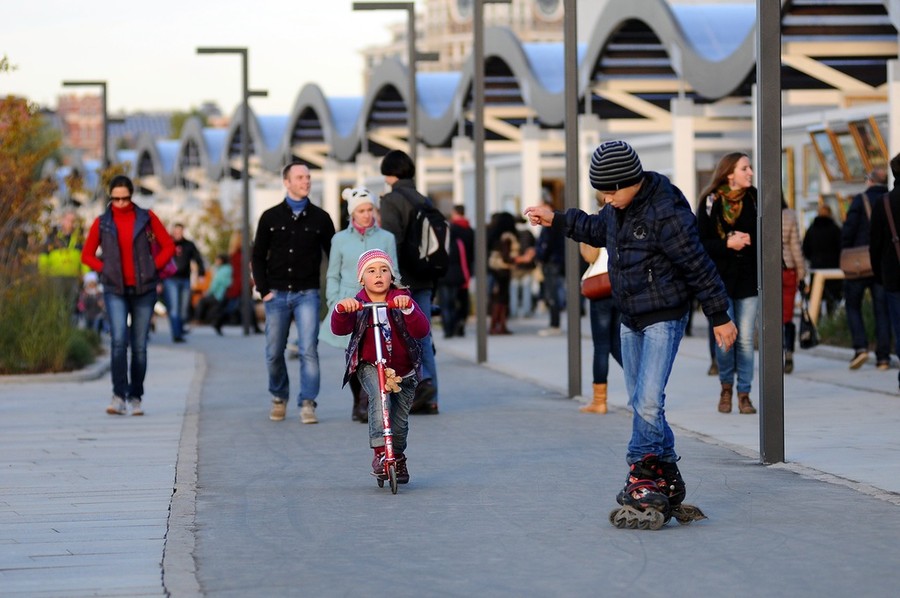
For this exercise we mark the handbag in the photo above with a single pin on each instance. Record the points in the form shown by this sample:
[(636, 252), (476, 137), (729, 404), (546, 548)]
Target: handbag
[(595, 280), (167, 271), (855, 261), (809, 335)]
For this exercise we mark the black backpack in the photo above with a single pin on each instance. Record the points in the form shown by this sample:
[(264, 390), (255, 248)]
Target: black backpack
[(425, 252)]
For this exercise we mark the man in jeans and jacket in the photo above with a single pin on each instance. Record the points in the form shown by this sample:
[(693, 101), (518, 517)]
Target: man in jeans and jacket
[(177, 288), (855, 233), (291, 239)]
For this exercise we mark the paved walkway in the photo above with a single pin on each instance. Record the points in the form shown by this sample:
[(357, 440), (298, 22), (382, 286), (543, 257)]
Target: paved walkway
[(510, 491)]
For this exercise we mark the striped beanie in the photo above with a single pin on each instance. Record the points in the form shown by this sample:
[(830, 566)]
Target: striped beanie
[(614, 166), (370, 257)]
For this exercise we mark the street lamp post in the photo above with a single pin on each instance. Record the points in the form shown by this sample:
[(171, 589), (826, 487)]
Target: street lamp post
[(412, 57), (480, 215), (245, 178), (105, 132), (573, 294)]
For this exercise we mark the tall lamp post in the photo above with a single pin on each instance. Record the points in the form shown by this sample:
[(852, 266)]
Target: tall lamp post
[(412, 57), (573, 295), (245, 177), (478, 134), (105, 132)]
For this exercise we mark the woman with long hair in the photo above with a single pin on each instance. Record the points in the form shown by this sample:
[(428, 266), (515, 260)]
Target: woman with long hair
[(726, 219)]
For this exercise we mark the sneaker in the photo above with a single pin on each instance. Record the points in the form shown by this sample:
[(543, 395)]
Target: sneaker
[(860, 358), (402, 472), (552, 331), (135, 405), (308, 412), (279, 408), (117, 406), (378, 463), (883, 364)]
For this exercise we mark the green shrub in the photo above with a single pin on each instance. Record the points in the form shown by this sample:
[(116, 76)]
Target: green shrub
[(84, 346), (37, 328)]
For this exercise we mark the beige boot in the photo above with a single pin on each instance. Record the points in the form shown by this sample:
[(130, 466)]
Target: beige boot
[(725, 398), (598, 405), (744, 404)]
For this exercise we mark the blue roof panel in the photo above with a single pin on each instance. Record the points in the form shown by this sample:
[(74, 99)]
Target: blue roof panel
[(715, 30), (435, 91), (344, 114), (272, 129)]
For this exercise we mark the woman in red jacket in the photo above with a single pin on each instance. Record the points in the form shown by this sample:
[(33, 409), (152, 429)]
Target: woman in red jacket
[(135, 246)]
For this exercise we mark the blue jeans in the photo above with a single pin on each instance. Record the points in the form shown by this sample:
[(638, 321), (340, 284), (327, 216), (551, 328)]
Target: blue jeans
[(853, 298), (177, 295), (398, 406), (118, 308), (605, 334), (520, 299), (422, 297), (740, 357), (303, 307), (647, 358), (554, 291)]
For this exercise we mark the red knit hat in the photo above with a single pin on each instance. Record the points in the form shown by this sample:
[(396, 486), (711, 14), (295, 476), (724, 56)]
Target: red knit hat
[(370, 257)]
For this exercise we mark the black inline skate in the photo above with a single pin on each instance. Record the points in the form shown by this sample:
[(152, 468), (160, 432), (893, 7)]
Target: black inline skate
[(672, 485), (644, 504)]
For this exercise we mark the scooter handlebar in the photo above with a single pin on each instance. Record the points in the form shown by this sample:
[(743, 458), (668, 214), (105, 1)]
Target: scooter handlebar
[(367, 304)]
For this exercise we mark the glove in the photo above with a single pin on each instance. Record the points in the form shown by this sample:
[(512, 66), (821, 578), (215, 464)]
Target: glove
[(391, 380)]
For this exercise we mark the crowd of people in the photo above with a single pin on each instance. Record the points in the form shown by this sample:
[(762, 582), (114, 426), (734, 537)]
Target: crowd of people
[(663, 259)]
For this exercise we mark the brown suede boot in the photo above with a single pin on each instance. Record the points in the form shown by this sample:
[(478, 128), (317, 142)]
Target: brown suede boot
[(598, 405), (495, 319), (725, 398), (744, 404)]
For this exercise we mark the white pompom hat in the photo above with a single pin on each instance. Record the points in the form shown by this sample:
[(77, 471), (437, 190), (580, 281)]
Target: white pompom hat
[(356, 197)]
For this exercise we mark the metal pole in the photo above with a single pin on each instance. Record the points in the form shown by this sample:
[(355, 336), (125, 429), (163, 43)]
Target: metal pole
[(245, 181), (480, 220), (413, 108), (768, 250), (573, 294)]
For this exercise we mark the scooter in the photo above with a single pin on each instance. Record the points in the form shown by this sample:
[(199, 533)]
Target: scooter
[(390, 461)]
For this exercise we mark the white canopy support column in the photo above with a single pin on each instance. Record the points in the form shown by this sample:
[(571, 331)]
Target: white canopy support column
[(684, 148), (588, 140), (893, 137), (463, 155), (331, 190), (532, 170)]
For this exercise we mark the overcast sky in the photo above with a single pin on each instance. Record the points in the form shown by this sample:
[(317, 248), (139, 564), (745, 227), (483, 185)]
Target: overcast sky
[(147, 51)]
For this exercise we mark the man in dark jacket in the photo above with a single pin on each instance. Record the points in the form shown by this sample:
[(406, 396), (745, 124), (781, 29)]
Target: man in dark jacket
[(822, 249), (883, 251), (453, 287), (291, 240), (656, 266), (177, 288), (855, 233), (398, 208)]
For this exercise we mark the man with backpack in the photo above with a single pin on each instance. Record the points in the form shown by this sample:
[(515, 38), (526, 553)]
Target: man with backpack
[(422, 250)]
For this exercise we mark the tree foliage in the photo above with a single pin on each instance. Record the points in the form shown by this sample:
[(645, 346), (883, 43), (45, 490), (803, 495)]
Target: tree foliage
[(179, 118), (25, 143)]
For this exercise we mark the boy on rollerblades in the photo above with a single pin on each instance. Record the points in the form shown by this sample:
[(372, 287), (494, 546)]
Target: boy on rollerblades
[(404, 324), (656, 266)]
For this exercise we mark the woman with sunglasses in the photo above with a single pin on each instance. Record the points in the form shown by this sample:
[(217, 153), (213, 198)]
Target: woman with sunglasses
[(134, 246)]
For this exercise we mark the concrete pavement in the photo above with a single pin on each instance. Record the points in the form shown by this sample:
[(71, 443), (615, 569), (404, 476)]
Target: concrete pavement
[(510, 491)]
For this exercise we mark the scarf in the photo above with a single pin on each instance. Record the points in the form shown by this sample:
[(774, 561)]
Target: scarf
[(732, 203)]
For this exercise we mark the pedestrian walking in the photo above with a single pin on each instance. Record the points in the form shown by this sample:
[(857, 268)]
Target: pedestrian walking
[(128, 236), (656, 266), (398, 209), (726, 221), (341, 278), (855, 233), (405, 327), (793, 273), (177, 288), (291, 240), (605, 323)]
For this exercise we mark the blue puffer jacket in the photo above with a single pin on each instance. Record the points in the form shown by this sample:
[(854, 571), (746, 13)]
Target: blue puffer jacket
[(656, 262)]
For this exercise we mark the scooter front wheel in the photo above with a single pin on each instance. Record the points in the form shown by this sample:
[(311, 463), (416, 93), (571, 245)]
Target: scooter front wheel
[(392, 475), (380, 483)]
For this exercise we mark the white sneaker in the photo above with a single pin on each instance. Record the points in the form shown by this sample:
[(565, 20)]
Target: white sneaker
[(116, 406), (552, 331), (135, 405), (308, 412)]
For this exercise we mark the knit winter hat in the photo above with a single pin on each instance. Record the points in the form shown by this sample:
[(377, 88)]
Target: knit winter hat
[(370, 257), (356, 197), (614, 166)]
